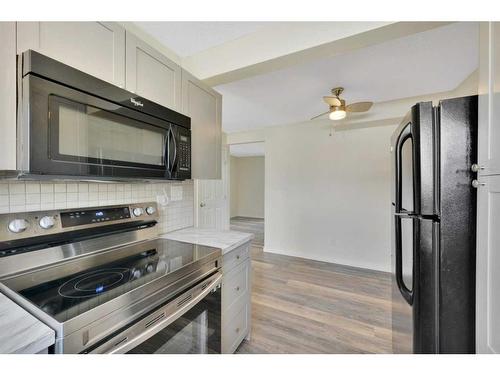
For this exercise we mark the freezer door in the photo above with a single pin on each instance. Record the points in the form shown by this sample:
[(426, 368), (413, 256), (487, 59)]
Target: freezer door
[(414, 162), (415, 285)]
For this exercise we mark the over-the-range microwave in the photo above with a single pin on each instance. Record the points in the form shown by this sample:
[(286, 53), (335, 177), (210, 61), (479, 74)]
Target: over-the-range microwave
[(74, 125)]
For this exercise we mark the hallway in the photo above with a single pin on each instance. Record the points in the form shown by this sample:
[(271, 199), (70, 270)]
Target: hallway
[(305, 306), (250, 225)]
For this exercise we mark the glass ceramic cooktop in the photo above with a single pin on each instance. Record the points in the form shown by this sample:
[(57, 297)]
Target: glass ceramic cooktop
[(73, 294)]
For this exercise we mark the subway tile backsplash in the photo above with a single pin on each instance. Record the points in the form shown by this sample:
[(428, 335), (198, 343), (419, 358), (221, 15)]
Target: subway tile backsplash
[(175, 199)]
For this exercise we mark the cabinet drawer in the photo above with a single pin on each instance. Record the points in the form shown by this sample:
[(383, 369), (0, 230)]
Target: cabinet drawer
[(235, 286), (235, 330), (235, 257)]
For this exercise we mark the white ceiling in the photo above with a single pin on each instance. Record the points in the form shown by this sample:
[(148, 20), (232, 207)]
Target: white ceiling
[(247, 149), (189, 38), (428, 62)]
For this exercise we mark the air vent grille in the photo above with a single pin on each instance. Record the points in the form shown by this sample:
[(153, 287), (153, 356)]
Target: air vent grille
[(184, 300), (154, 320)]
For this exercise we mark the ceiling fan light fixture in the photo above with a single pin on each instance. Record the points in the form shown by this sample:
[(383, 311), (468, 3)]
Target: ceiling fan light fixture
[(337, 113), (337, 107)]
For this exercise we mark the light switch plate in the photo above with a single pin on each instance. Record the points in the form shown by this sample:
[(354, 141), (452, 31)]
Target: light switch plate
[(176, 193)]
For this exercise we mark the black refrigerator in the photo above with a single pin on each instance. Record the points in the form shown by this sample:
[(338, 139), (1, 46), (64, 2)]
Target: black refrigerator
[(434, 221)]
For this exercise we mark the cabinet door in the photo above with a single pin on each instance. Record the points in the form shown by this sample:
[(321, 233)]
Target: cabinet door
[(97, 48), (489, 99), (152, 75), (211, 199), (204, 106), (488, 266), (236, 306), (8, 95), (211, 202)]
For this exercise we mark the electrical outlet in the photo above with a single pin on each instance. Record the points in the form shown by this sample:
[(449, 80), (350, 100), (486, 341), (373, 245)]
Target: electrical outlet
[(176, 193)]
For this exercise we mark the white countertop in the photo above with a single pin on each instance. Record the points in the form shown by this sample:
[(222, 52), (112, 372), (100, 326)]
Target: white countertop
[(21, 332), (226, 240)]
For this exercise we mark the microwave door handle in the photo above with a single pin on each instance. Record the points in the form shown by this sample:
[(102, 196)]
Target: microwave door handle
[(174, 160), (126, 344), (166, 150)]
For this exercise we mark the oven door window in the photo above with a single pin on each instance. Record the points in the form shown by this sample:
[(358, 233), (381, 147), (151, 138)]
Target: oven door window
[(86, 134), (198, 331)]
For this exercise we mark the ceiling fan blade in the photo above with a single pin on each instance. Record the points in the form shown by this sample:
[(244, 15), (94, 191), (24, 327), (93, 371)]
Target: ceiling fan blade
[(324, 113), (332, 101), (359, 107)]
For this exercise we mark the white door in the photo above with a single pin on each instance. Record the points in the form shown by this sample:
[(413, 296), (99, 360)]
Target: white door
[(97, 48), (488, 266), (488, 198), (212, 205)]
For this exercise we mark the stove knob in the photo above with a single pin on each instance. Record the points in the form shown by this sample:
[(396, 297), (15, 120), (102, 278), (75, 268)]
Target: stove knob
[(18, 225), (150, 210), (136, 274), (137, 211), (47, 222)]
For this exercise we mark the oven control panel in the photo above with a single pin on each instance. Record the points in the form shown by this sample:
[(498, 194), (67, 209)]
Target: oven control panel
[(25, 225), (85, 217)]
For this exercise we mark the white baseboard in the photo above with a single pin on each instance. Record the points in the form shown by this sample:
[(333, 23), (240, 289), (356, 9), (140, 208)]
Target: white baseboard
[(327, 260)]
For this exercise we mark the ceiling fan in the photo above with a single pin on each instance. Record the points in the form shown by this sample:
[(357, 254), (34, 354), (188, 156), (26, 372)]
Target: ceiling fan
[(338, 109)]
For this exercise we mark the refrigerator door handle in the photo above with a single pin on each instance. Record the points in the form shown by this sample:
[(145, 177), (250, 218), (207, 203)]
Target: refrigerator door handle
[(405, 291), (402, 138), (406, 213)]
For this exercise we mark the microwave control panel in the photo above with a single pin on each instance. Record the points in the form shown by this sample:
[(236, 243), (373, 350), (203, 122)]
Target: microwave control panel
[(184, 153), (183, 168)]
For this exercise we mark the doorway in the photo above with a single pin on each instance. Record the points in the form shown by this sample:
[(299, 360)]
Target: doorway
[(247, 189)]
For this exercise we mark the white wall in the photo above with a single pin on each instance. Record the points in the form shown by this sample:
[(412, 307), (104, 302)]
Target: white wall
[(247, 186), (328, 198)]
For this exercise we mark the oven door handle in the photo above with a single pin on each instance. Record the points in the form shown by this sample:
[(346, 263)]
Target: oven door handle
[(123, 343)]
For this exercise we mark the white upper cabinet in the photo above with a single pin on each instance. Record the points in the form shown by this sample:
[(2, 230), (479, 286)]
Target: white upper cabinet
[(204, 106), (151, 75), (105, 50), (97, 48), (489, 99), (8, 95)]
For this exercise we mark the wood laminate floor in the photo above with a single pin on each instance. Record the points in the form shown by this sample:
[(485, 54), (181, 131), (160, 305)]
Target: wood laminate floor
[(305, 306), (250, 225)]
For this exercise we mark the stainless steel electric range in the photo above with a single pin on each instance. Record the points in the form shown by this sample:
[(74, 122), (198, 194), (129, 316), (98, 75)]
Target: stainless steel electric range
[(105, 281)]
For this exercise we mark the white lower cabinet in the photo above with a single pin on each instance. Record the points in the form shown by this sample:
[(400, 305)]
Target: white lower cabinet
[(236, 292)]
